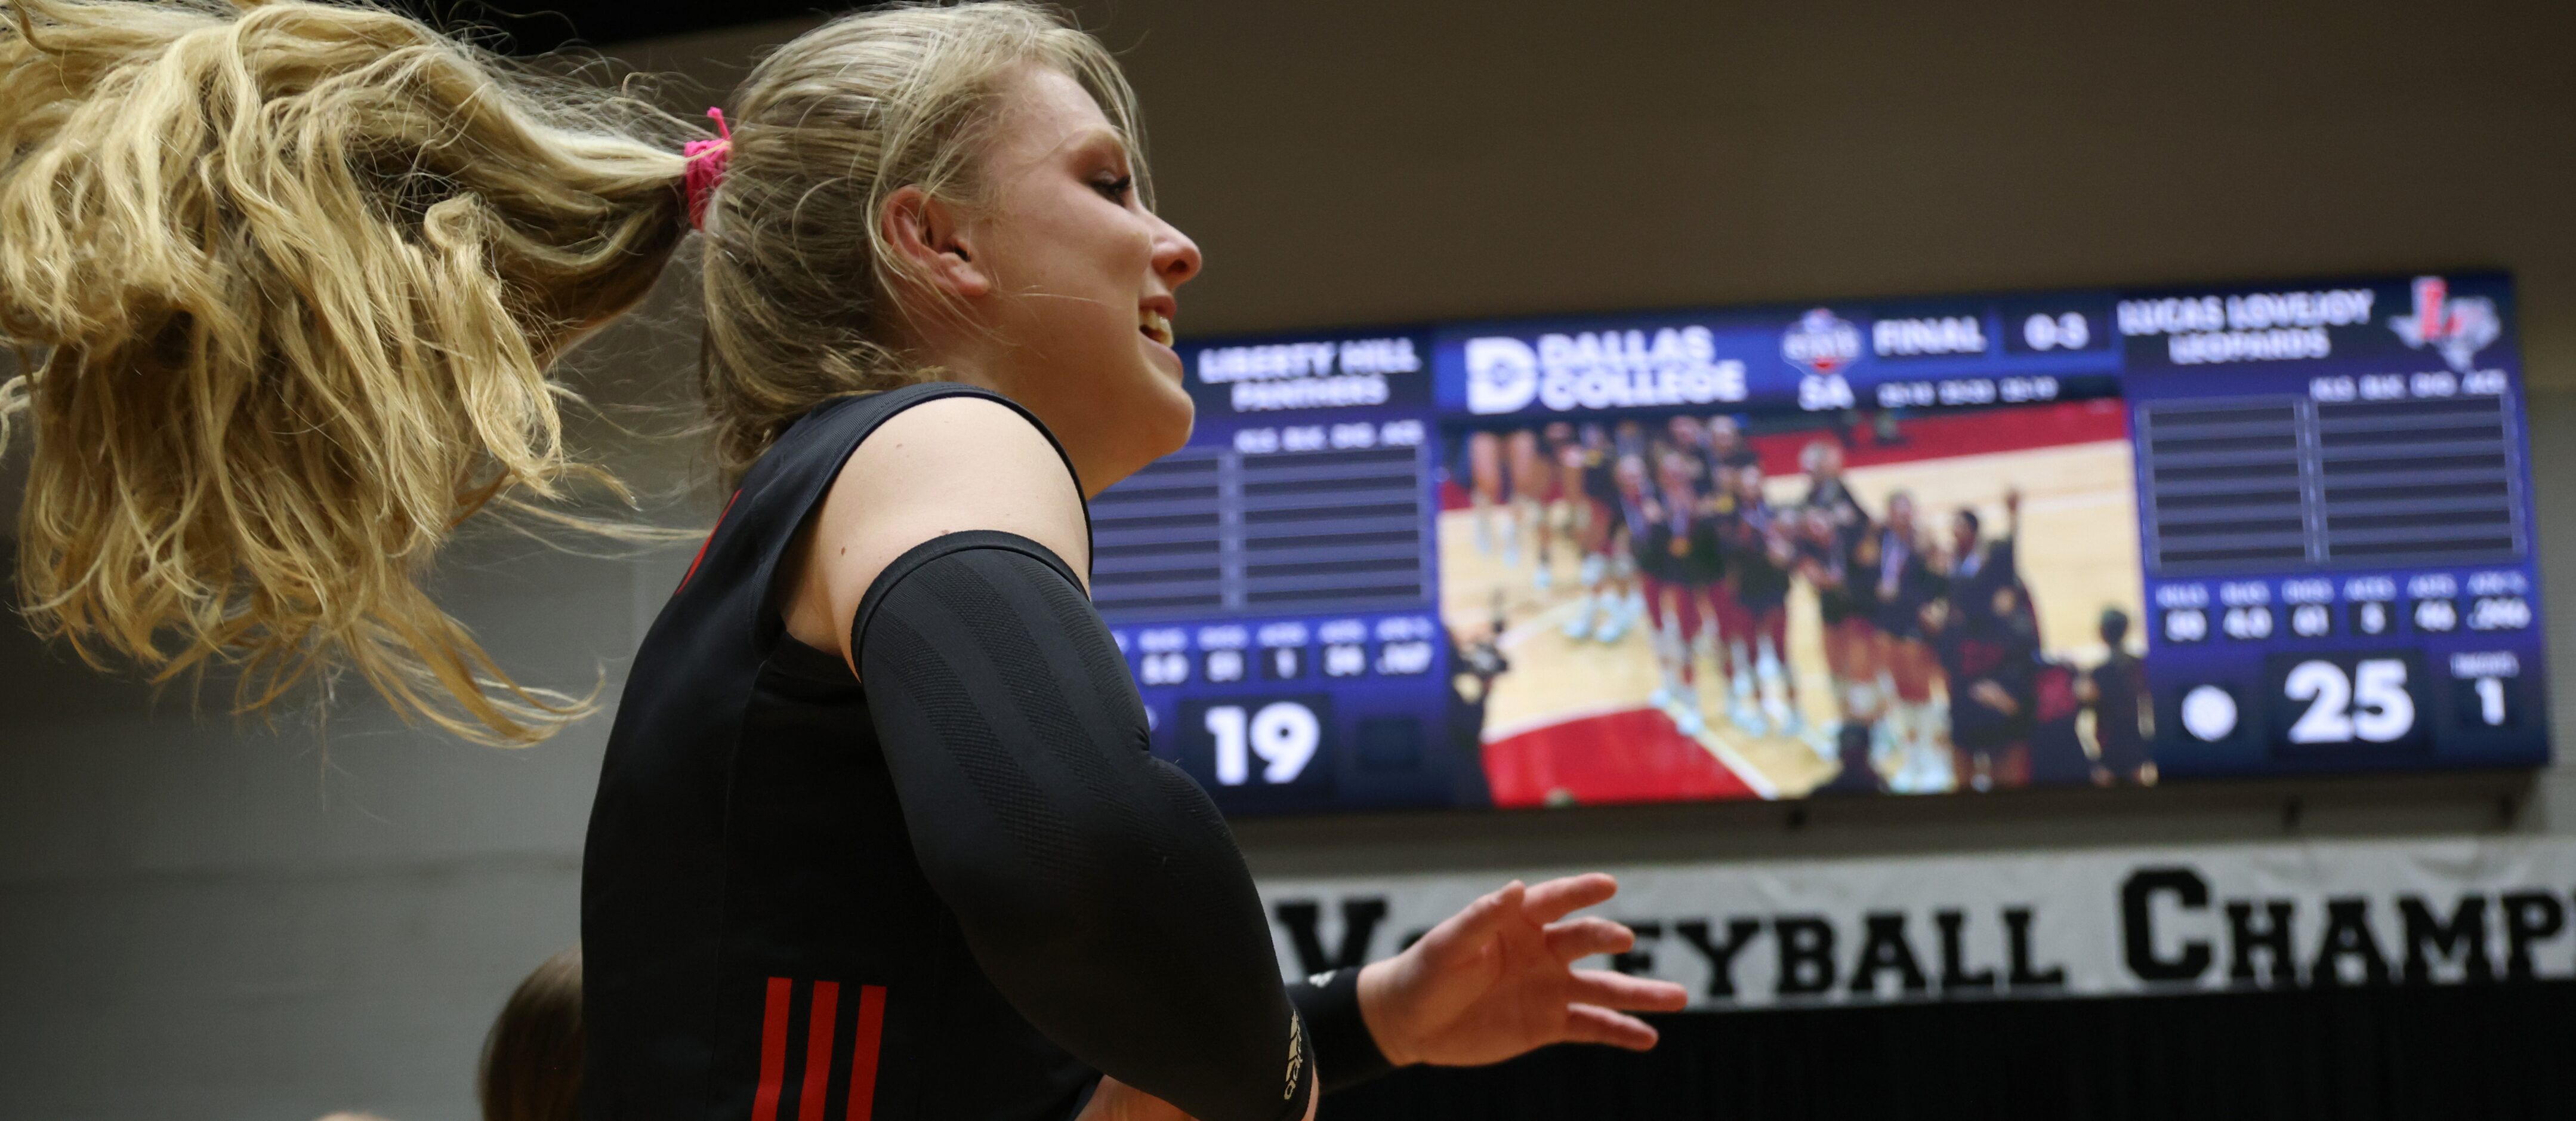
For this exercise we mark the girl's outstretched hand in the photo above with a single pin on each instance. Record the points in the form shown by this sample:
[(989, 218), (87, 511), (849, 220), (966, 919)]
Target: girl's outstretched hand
[(1497, 979)]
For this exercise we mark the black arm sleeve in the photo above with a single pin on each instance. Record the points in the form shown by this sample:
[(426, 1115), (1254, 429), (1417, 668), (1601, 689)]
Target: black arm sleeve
[(1096, 885), (1329, 1003)]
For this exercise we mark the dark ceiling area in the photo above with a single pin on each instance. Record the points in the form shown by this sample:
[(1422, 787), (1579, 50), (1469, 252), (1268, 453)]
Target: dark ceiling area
[(528, 27)]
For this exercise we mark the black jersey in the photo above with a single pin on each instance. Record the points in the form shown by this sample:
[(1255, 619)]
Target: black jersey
[(2121, 699), (1600, 473), (759, 939), (1904, 584), (1835, 498), (1729, 461), (1826, 565), (1860, 556), (1645, 545), (1978, 647), (1706, 559), (1761, 582)]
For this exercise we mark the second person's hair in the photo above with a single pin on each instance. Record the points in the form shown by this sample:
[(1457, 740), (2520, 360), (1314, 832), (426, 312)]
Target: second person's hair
[(532, 1057)]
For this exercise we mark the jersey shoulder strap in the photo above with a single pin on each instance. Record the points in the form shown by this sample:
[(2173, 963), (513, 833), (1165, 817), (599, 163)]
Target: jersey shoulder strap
[(738, 564)]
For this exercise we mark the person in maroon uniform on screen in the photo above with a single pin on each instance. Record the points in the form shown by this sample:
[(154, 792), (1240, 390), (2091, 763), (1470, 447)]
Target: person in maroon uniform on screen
[(1761, 554), (1827, 491), (1534, 487), (1676, 546), (1489, 495), (1904, 583), (1723, 452), (1823, 559), (2123, 718), (1726, 446), (1632, 532), (1871, 694), (1835, 524), (1586, 491), (1987, 635), (1617, 495), (1979, 566), (1989, 654), (2058, 755)]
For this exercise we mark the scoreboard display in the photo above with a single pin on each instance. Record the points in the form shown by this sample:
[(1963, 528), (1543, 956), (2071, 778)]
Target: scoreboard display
[(1955, 544)]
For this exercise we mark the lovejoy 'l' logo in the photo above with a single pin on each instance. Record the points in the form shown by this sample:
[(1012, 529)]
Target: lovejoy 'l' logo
[(2456, 328)]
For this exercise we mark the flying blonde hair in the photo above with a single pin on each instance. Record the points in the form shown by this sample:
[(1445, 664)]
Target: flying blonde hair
[(286, 279)]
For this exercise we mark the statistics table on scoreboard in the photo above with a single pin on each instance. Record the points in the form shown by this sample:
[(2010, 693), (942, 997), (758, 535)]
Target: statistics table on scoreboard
[(1398, 567)]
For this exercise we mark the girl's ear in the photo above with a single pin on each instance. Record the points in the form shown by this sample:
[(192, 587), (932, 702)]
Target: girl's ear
[(931, 244)]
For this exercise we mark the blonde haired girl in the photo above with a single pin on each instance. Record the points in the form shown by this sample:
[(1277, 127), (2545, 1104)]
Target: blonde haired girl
[(875, 835)]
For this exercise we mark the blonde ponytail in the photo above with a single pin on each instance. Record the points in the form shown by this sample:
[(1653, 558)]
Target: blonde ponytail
[(285, 279)]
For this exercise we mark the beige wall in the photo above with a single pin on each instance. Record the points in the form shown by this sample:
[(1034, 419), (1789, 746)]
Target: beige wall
[(204, 923)]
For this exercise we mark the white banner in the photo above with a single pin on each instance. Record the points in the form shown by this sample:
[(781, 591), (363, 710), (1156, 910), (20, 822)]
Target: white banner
[(2074, 923)]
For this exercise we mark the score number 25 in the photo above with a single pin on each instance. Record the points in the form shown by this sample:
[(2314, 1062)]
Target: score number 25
[(2373, 705)]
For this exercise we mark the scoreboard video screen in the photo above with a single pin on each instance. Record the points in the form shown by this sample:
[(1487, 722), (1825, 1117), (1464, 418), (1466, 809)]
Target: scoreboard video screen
[(1956, 544)]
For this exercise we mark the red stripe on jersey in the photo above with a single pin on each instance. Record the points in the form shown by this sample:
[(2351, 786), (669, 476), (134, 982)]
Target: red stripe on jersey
[(702, 545), (863, 1054), (818, 1049), (773, 1049)]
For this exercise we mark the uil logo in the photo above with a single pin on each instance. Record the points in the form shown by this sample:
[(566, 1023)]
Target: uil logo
[(1821, 343), (1296, 1055), (1502, 375), (2457, 329)]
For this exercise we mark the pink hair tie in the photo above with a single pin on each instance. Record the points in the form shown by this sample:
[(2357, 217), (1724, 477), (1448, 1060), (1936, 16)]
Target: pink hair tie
[(706, 169)]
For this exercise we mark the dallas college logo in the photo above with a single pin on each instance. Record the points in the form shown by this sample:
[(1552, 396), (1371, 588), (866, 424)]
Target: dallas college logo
[(1613, 369), (2457, 329), (1502, 375)]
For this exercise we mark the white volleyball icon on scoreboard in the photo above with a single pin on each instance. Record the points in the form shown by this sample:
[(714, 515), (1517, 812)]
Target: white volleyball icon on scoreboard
[(2209, 714)]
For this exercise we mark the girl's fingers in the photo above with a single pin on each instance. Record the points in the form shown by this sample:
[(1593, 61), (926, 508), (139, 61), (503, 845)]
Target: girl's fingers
[(1555, 899), (1470, 927), (1636, 994), (1586, 1023), (1576, 939)]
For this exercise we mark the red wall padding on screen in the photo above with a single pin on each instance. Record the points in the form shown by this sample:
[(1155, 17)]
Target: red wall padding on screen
[(1631, 756), (1943, 435), (1936, 436)]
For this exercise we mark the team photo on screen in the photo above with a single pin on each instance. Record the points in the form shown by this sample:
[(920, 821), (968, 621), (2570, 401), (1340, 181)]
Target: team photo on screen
[(1705, 606)]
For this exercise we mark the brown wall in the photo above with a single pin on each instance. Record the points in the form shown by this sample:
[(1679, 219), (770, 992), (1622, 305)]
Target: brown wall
[(1352, 161)]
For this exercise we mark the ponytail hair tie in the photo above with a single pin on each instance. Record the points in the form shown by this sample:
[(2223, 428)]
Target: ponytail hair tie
[(707, 159)]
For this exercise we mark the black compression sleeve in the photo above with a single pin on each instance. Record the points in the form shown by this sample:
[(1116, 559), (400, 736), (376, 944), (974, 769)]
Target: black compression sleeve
[(1097, 885), (1344, 1050)]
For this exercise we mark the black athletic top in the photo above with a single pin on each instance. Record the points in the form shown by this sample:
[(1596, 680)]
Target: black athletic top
[(1761, 583), (753, 915), (1830, 576), (1902, 582), (767, 936), (2123, 695)]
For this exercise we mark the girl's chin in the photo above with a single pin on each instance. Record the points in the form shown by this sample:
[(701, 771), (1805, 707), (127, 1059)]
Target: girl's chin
[(1174, 415)]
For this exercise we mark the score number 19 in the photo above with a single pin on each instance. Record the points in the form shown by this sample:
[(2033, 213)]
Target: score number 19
[(1283, 733)]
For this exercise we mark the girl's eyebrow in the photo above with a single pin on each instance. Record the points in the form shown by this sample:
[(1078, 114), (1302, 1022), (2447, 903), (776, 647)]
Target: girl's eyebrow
[(1093, 136)]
